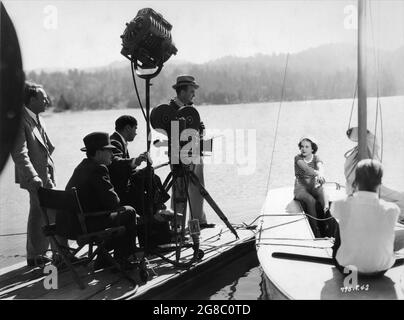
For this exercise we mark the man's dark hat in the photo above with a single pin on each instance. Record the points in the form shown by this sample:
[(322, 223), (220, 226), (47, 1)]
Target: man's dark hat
[(97, 141), (186, 81)]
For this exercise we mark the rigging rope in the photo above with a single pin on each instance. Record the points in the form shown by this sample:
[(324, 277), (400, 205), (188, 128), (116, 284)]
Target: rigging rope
[(376, 54), (13, 234), (353, 104), (277, 122)]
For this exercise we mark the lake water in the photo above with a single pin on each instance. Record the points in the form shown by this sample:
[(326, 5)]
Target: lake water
[(239, 187)]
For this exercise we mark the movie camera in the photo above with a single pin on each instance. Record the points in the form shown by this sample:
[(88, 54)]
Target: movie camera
[(184, 132)]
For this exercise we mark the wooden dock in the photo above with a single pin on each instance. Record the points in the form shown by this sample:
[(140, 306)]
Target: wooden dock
[(219, 245)]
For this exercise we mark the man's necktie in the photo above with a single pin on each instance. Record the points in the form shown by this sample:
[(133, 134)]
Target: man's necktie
[(41, 131)]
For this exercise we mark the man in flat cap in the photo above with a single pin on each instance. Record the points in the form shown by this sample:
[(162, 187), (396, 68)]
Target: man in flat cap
[(96, 193), (185, 88)]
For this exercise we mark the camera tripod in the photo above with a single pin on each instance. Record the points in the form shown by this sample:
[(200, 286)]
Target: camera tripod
[(181, 176)]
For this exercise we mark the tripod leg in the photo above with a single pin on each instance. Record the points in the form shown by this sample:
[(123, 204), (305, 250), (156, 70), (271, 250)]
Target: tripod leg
[(195, 234), (211, 202), (168, 182), (178, 198), (169, 185)]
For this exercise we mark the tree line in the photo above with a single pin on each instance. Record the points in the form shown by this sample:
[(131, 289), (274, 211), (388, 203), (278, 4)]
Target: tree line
[(326, 72)]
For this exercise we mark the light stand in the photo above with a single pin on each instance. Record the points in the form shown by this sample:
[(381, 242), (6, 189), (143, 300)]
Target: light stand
[(148, 216)]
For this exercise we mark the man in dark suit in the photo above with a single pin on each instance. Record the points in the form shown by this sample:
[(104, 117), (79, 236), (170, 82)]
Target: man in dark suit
[(96, 193), (34, 167), (130, 183), (122, 164)]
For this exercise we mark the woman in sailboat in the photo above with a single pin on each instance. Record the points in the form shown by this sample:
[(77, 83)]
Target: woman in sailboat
[(309, 173)]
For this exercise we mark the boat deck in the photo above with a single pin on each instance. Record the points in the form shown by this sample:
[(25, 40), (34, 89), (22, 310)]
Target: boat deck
[(286, 229), (219, 245)]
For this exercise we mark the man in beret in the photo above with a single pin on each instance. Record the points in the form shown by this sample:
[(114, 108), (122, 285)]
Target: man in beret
[(96, 193)]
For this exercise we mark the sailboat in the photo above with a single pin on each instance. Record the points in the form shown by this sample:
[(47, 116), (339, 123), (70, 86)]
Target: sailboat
[(296, 264)]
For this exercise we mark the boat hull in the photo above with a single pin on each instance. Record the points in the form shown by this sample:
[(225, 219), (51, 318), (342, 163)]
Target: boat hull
[(285, 229)]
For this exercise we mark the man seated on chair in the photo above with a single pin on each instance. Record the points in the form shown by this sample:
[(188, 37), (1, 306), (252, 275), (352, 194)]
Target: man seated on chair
[(96, 193), (122, 165), (129, 182)]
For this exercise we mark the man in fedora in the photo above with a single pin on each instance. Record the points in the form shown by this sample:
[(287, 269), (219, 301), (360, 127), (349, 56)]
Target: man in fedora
[(185, 89), (34, 167), (96, 193)]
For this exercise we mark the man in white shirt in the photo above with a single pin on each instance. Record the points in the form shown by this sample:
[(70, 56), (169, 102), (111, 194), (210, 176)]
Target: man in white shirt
[(34, 167), (366, 238)]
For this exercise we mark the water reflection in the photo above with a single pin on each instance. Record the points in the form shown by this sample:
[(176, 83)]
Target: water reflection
[(242, 279)]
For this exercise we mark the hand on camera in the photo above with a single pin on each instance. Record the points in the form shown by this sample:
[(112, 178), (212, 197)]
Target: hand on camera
[(202, 128), (143, 157)]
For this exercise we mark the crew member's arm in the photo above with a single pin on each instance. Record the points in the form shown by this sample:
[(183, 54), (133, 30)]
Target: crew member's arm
[(118, 160), (22, 160), (202, 129)]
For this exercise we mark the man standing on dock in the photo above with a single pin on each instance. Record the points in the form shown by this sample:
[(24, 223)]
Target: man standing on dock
[(34, 167), (185, 88)]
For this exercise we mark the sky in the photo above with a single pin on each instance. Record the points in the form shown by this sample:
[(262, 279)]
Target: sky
[(85, 34)]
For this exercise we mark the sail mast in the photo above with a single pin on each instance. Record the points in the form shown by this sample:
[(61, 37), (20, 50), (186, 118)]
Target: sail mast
[(362, 82)]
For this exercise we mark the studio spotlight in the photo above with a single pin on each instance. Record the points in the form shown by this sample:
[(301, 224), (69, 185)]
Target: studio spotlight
[(147, 40)]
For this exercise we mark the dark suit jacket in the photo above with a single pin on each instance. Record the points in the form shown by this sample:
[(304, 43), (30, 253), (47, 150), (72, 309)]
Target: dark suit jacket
[(95, 191), (94, 187), (32, 155), (120, 168)]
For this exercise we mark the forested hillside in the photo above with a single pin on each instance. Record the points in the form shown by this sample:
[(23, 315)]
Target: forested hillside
[(325, 72)]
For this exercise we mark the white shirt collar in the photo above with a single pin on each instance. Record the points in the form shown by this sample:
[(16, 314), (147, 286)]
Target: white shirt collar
[(123, 139), (31, 114)]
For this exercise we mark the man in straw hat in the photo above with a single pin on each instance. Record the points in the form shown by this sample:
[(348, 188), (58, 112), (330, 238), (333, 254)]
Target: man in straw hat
[(185, 88), (96, 193)]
